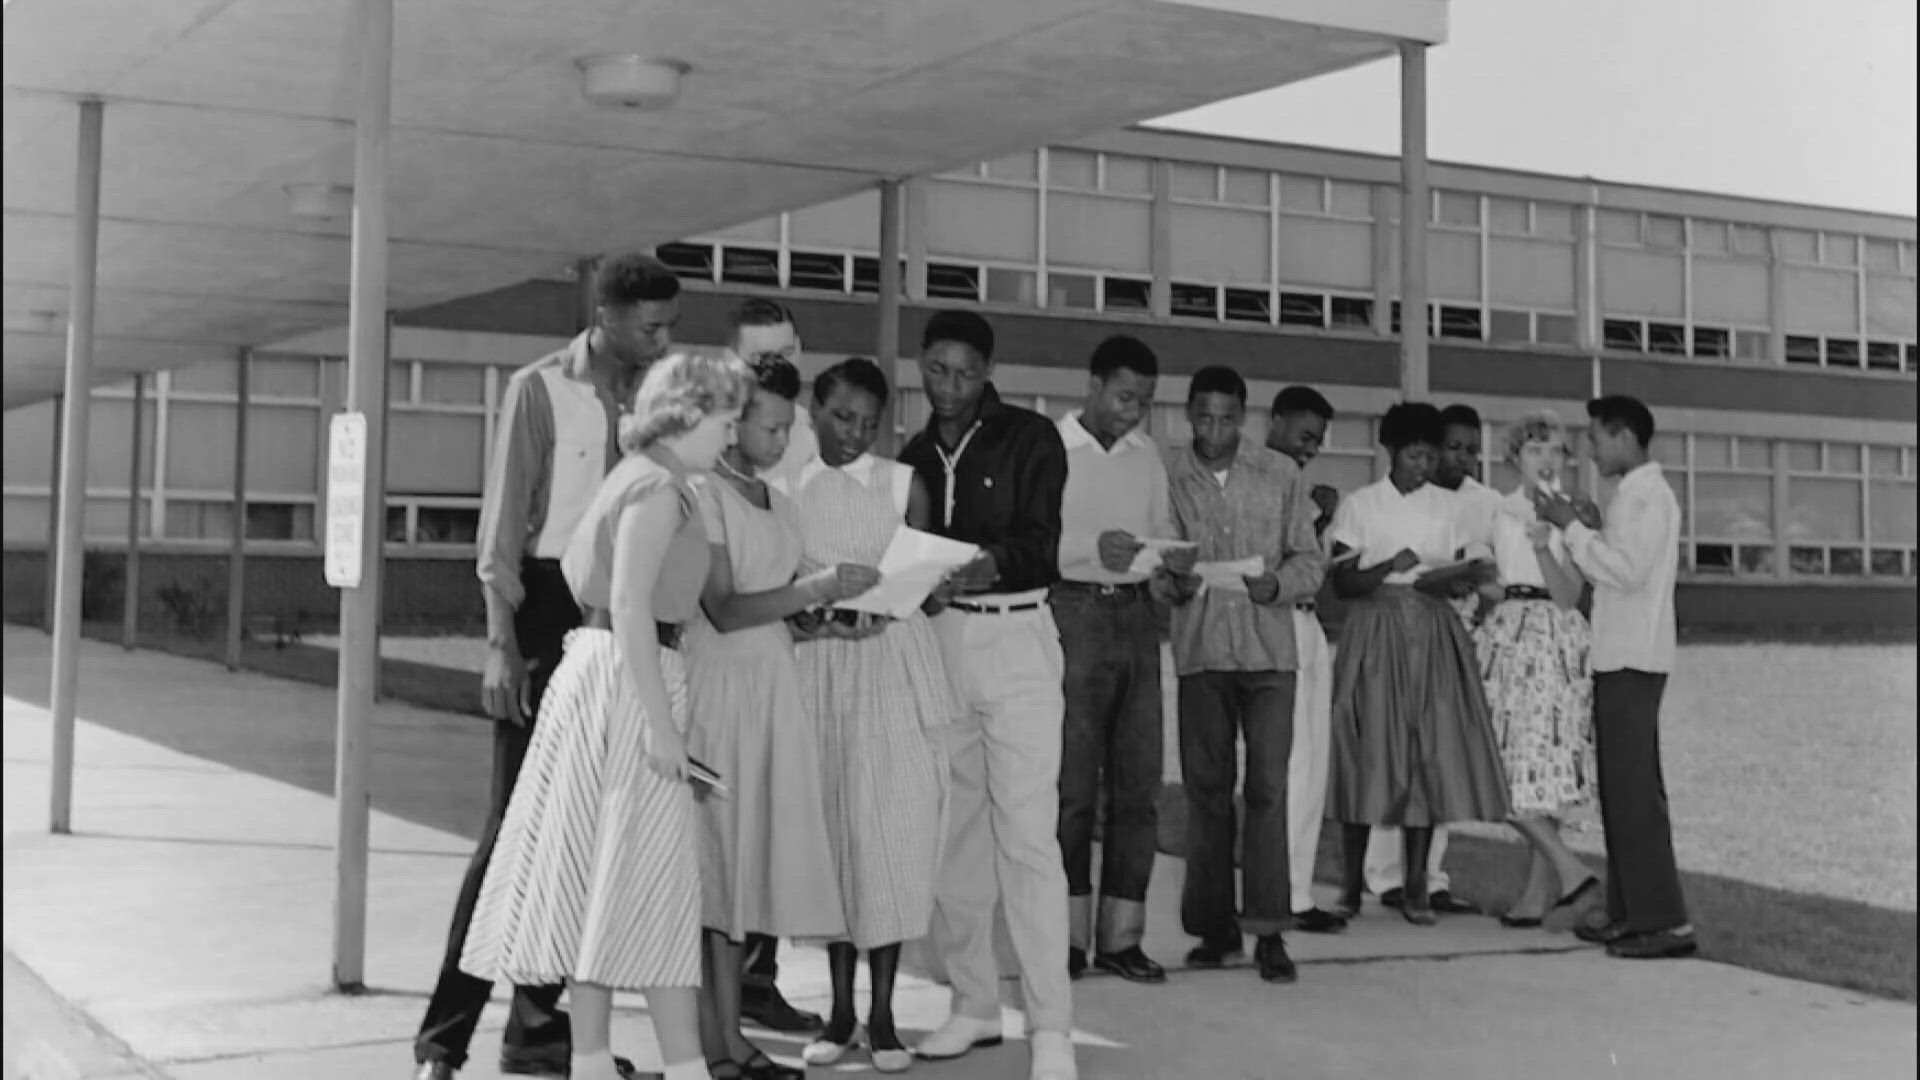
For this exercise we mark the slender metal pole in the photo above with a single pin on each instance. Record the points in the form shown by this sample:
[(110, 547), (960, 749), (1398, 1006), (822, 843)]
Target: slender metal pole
[(366, 394), (886, 351), (237, 539), (1414, 209), (584, 293), (73, 462), (53, 517), (130, 597)]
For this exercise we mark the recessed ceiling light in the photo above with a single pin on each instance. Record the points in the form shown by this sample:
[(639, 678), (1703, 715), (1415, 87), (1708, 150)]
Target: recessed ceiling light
[(630, 81), (320, 202)]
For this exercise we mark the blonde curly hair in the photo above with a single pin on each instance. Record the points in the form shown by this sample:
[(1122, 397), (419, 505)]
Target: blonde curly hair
[(1541, 425), (679, 391)]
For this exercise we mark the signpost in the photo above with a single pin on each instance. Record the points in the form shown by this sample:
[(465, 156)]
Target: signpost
[(346, 497)]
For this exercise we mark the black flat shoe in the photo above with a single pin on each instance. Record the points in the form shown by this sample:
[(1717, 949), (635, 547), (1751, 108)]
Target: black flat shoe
[(1132, 965), (1446, 903), (1603, 934), (1274, 963), (525, 1067), (1655, 945), (1348, 906), (1519, 922), (1076, 963), (1316, 921), (1205, 955), (762, 1067), (768, 1008), (1394, 897), (1419, 915)]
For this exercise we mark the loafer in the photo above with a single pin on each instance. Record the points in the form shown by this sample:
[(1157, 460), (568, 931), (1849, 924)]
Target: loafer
[(1446, 903), (1655, 945), (823, 1051), (1394, 897), (1270, 954), (959, 1035), (1076, 962), (1132, 965), (1317, 921), (513, 1066), (765, 1006), (1052, 1057), (1215, 955), (1600, 933)]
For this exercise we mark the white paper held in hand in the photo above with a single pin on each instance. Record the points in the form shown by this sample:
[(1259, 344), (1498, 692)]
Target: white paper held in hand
[(1231, 576), (1153, 552), (914, 565)]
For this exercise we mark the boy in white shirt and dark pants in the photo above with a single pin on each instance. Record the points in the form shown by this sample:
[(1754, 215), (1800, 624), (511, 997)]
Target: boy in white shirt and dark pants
[(1632, 564)]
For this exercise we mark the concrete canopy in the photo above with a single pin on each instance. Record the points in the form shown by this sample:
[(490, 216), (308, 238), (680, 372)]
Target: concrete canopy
[(502, 171)]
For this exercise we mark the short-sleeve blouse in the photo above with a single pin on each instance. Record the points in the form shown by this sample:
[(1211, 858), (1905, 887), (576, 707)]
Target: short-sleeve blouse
[(588, 563), (1513, 549), (1379, 522)]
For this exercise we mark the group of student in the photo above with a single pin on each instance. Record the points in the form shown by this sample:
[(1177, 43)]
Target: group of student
[(698, 751)]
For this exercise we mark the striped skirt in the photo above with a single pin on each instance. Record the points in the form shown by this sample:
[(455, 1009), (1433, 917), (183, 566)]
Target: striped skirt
[(595, 874)]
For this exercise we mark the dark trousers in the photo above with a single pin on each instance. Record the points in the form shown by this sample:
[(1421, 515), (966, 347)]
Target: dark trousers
[(1643, 882), (762, 961), (1216, 708), (1112, 730), (537, 1031)]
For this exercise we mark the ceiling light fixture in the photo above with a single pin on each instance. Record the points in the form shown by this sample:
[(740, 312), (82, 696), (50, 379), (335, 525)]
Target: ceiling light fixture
[(628, 81), (321, 202)]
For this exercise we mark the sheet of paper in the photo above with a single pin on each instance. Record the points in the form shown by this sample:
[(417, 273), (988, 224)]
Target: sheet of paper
[(1154, 553), (914, 565), (1231, 576)]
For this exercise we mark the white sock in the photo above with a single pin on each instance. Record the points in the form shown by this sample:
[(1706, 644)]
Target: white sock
[(688, 1070), (594, 1066)]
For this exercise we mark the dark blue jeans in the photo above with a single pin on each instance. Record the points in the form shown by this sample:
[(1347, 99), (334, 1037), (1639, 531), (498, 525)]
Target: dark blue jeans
[(1112, 732), (1216, 709)]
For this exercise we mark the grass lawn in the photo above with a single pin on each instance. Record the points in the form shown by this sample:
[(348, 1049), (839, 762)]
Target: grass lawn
[(1792, 771)]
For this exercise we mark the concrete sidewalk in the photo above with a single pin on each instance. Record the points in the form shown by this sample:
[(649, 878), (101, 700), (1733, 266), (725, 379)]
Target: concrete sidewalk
[(189, 920)]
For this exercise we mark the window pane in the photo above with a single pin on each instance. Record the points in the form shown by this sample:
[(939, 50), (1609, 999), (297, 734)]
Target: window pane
[(1794, 244), (396, 525), (453, 384), (1839, 249), (691, 261), (749, 266), (1553, 329), (1712, 452), (1195, 301), (1070, 291), (1509, 326), (1843, 458), (1756, 559), (1459, 209), (1749, 240), (1247, 188), (447, 525), (1667, 339), (279, 521), (218, 377), (1071, 169), (1803, 350), (1507, 215), (1022, 166), (1664, 232), (1713, 558), (1553, 219), (1712, 341), (950, 281), (1883, 460), (1351, 200), (1733, 507), (1127, 294), (817, 270), (1803, 456), (1129, 175), (1846, 562), (1891, 506), (1751, 453), (1303, 309), (1883, 356), (1460, 322), (1350, 433), (1345, 473), (1304, 193), (287, 377), (1249, 305), (1807, 560), (400, 381), (1619, 227), (1843, 352), (866, 274), (1709, 235), (1888, 562), (1352, 313), (1669, 450), (1194, 182), (1750, 344), (1883, 255), (1624, 335), (1011, 286), (1824, 509)]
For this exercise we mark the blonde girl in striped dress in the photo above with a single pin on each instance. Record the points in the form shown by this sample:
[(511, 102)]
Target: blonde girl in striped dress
[(882, 702), (595, 878)]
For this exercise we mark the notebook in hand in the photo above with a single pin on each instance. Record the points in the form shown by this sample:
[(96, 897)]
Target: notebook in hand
[(700, 776)]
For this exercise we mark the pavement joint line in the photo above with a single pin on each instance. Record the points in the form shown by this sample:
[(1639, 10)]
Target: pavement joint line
[(49, 1053), (272, 1051)]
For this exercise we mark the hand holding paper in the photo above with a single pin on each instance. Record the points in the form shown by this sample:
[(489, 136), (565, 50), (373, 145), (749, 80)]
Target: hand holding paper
[(1231, 576), (1154, 554), (915, 563)]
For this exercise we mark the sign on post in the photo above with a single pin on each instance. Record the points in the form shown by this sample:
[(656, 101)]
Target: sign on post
[(346, 497)]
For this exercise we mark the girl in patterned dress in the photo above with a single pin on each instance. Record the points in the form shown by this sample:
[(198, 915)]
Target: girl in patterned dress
[(882, 702), (595, 878), (1532, 643), (766, 865)]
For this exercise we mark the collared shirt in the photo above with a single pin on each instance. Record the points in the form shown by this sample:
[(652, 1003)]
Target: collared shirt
[(803, 448), (1000, 488), (1264, 509), (1513, 547), (1379, 522), (517, 503), (1123, 487), (1633, 564)]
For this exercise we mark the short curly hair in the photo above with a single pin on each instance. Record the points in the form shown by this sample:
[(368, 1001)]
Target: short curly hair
[(680, 391), (1411, 423), (1541, 425)]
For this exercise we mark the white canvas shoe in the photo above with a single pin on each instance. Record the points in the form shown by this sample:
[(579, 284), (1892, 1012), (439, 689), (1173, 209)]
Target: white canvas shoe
[(1052, 1057), (959, 1035)]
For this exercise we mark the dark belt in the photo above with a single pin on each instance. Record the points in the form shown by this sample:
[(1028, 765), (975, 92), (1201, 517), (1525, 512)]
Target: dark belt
[(1307, 606), (1129, 590), (1527, 592), (995, 609)]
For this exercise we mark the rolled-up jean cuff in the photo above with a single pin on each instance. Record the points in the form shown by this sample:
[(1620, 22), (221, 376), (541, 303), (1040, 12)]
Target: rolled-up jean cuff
[(1123, 924)]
